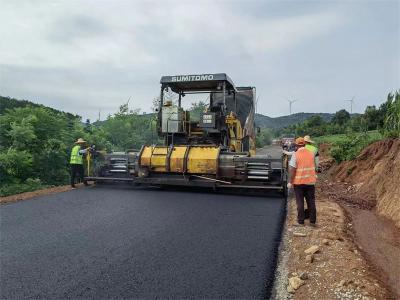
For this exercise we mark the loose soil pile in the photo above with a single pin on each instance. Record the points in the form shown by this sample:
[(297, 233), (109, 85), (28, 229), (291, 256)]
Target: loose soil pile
[(374, 178)]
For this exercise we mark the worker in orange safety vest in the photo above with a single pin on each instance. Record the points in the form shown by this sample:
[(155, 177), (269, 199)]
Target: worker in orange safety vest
[(310, 145), (302, 178)]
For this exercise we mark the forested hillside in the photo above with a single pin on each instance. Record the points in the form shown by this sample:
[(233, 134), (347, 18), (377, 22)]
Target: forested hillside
[(385, 118), (11, 103), (284, 121), (260, 119)]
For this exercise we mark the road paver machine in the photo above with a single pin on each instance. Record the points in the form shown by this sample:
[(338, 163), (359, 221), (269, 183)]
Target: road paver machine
[(216, 151)]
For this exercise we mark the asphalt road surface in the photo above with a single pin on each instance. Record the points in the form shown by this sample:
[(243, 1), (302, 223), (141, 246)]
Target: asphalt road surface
[(118, 242)]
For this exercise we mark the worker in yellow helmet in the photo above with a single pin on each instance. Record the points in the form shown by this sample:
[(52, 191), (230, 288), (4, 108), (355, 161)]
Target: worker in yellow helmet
[(310, 145), (76, 161)]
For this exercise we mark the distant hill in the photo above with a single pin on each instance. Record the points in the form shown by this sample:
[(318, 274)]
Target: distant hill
[(11, 103), (284, 121), (261, 120)]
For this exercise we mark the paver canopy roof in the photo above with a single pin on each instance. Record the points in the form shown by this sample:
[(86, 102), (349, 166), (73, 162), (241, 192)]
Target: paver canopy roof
[(199, 82)]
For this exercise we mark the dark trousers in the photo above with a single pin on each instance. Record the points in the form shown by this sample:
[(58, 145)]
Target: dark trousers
[(76, 172), (308, 192)]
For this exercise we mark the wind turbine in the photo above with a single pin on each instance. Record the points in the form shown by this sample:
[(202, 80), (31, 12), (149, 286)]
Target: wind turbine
[(351, 104), (290, 104), (258, 97)]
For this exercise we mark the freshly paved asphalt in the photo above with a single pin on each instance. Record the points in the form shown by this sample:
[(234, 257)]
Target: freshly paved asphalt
[(106, 242)]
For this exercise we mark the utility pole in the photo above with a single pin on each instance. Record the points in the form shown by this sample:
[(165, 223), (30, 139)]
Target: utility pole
[(351, 104), (290, 105)]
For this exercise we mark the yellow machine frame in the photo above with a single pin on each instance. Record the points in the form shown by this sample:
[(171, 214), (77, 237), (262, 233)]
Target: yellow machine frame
[(199, 159)]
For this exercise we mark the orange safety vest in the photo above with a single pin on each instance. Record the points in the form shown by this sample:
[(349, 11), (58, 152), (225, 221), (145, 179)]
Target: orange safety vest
[(305, 169)]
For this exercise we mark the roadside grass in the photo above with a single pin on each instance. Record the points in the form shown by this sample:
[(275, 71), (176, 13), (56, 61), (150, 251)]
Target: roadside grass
[(335, 138), (348, 146), (29, 185)]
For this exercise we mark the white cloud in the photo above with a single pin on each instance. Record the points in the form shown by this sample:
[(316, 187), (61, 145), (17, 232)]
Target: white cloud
[(214, 23), (43, 34), (97, 53), (29, 37)]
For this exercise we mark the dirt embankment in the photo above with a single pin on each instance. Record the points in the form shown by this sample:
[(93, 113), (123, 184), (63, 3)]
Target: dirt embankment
[(356, 250), (373, 178), (368, 188)]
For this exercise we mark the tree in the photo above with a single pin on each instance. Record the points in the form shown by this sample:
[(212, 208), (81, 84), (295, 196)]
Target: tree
[(392, 118), (383, 110), (264, 138), (341, 117), (88, 126), (34, 144), (315, 121), (22, 133), (372, 117), (357, 123), (196, 110), (15, 166), (127, 129)]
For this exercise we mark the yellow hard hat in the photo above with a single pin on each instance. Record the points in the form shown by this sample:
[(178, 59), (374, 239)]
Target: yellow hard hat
[(307, 139), (80, 141)]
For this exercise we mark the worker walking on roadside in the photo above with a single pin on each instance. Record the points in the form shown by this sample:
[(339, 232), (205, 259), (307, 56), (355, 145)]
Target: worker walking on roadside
[(76, 161), (302, 178), (310, 145)]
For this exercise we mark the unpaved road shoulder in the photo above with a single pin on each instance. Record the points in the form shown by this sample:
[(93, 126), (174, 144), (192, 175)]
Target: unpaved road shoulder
[(37, 193), (324, 262)]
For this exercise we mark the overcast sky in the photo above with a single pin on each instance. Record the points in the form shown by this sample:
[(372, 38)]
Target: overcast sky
[(86, 56)]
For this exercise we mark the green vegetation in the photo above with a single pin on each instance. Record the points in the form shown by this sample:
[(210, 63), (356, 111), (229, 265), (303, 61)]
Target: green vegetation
[(11, 103), (196, 110), (264, 138), (348, 147), (316, 126), (385, 119), (28, 186), (350, 134), (281, 122), (391, 123), (336, 138), (35, 142)]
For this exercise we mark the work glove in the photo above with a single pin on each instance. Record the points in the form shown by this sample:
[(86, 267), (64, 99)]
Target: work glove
[(289, 185)]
